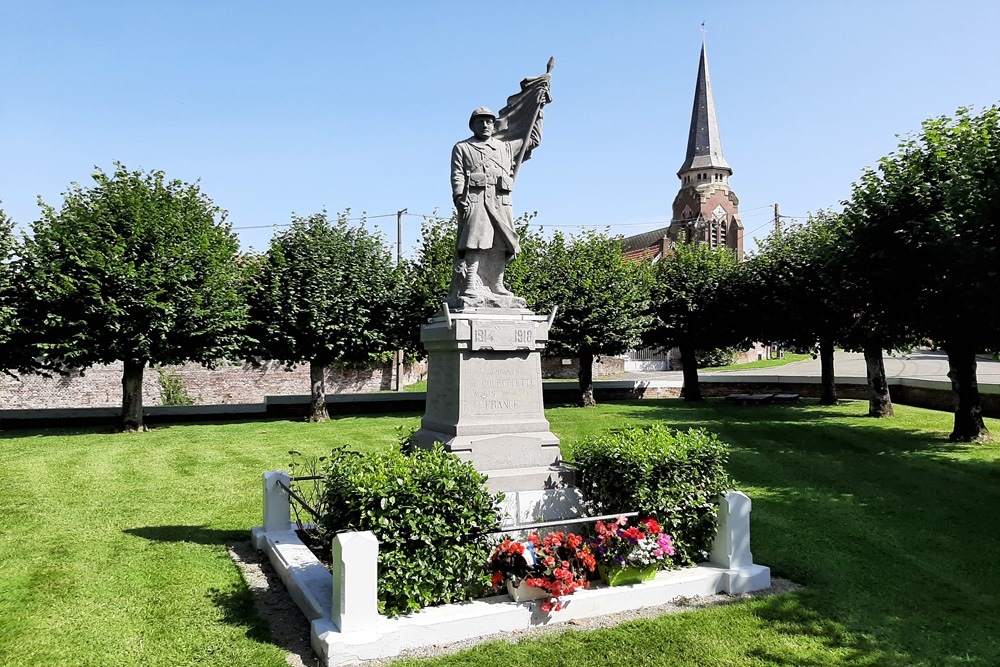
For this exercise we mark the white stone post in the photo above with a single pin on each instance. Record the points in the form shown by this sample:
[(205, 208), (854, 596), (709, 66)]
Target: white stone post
[(355, 581), (731, 548), (277, 506)]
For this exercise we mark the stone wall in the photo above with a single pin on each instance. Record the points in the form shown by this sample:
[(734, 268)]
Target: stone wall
[(556, 368), (100, 386)]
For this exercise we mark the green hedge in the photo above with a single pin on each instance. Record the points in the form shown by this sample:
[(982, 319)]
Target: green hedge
[(721, 356), (422, 506), (655, 470)]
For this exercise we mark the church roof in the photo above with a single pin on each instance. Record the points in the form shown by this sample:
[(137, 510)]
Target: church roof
[(704, 150), (644, 240)]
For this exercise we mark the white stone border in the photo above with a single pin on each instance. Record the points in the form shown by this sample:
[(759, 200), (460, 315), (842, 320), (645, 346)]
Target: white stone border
[(346, 629)]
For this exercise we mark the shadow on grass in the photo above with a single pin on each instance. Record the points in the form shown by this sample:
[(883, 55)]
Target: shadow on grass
[(885, 522), (109, 429), (192, 534), (237, 607), (61, 431), (788, 616)]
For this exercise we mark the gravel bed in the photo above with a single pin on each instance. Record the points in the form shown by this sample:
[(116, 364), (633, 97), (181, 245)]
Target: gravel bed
[(290, 628)]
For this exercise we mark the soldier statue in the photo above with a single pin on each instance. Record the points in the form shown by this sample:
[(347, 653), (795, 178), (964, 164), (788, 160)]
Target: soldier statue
[(483, 169)]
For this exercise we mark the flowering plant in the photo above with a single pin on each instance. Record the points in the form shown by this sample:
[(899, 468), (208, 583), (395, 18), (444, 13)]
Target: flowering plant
[(557, 564), (618, 544)]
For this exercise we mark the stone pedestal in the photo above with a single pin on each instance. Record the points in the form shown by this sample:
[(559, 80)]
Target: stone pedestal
[(484, 396)]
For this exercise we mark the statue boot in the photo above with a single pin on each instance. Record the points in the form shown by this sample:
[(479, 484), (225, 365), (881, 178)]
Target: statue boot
[(473, 286), (498, 287)]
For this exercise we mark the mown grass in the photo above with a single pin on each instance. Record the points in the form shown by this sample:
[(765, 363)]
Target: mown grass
[(788, 358), (112, 546)]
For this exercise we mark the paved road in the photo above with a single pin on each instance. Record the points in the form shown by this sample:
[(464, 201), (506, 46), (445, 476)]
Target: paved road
[(923, 364)]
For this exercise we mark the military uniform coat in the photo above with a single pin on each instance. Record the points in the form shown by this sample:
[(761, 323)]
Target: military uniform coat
[(481, 182)]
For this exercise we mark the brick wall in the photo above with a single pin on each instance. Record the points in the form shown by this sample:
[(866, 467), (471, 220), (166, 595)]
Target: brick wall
[(100, 386), (555, 368)]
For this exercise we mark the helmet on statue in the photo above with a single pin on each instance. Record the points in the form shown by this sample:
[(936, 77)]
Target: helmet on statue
[(481, 112)]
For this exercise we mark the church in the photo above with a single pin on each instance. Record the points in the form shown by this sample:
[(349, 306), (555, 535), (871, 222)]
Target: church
[(705, 208)]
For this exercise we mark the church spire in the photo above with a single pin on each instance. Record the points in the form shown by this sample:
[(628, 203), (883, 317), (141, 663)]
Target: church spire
[(704, 150)]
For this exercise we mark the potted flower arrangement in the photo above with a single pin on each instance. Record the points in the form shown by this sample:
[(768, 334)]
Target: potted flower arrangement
[(547, 568), (629, 554)]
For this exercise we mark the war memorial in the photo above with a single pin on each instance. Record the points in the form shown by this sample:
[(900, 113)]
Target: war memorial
[(484, 405)]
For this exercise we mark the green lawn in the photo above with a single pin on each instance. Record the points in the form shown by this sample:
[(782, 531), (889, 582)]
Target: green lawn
[(789, 358), (112, 546)]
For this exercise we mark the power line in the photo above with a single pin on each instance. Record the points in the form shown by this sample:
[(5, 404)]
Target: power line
[(744, 213), (289, 224)]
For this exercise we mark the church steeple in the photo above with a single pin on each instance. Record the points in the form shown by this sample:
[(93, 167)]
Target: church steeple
[(706, 209), (704, 150)]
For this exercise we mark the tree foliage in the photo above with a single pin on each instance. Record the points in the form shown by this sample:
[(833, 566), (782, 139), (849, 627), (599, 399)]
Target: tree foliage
[(136, 269), (427, 278), (13, 354), (602, 298), (692, 305), (793, 290), (923, 226), (325, 292)]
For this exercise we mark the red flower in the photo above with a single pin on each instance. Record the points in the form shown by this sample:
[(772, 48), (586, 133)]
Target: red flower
[(497, 578), (652, 526), (633, 533)]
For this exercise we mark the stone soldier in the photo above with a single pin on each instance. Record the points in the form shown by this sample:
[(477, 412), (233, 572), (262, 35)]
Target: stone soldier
[(482, 177)]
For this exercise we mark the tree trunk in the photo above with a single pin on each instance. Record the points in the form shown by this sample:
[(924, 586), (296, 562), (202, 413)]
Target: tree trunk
[(587, 380), (691, 390), (317, 382), (879, 403), (828, 378), (969, 426), (132, 396)]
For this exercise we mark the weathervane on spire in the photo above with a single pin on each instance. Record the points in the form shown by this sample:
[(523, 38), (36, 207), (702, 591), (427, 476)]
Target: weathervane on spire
[(703, 31)]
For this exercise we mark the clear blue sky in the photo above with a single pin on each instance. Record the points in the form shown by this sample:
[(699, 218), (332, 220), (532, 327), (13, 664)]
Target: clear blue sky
[(282, 107)]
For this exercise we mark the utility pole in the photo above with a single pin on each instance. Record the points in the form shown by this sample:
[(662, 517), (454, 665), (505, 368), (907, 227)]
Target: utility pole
[(777, 221), (399, 235), (398, 354)]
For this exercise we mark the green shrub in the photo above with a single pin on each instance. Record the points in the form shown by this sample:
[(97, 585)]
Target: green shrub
[(669, 474), (721, 356), (430, 513), (173, 391)]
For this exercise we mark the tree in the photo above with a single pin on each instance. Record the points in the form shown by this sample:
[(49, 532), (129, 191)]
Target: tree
[(692, 306), (12, 355), (426, 280), (602, 298), (324, 293), (793, 291), (136, 269), (926, 220)]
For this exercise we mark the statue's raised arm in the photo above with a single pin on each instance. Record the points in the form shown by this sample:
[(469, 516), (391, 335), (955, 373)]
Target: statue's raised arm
[(483, 170)]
